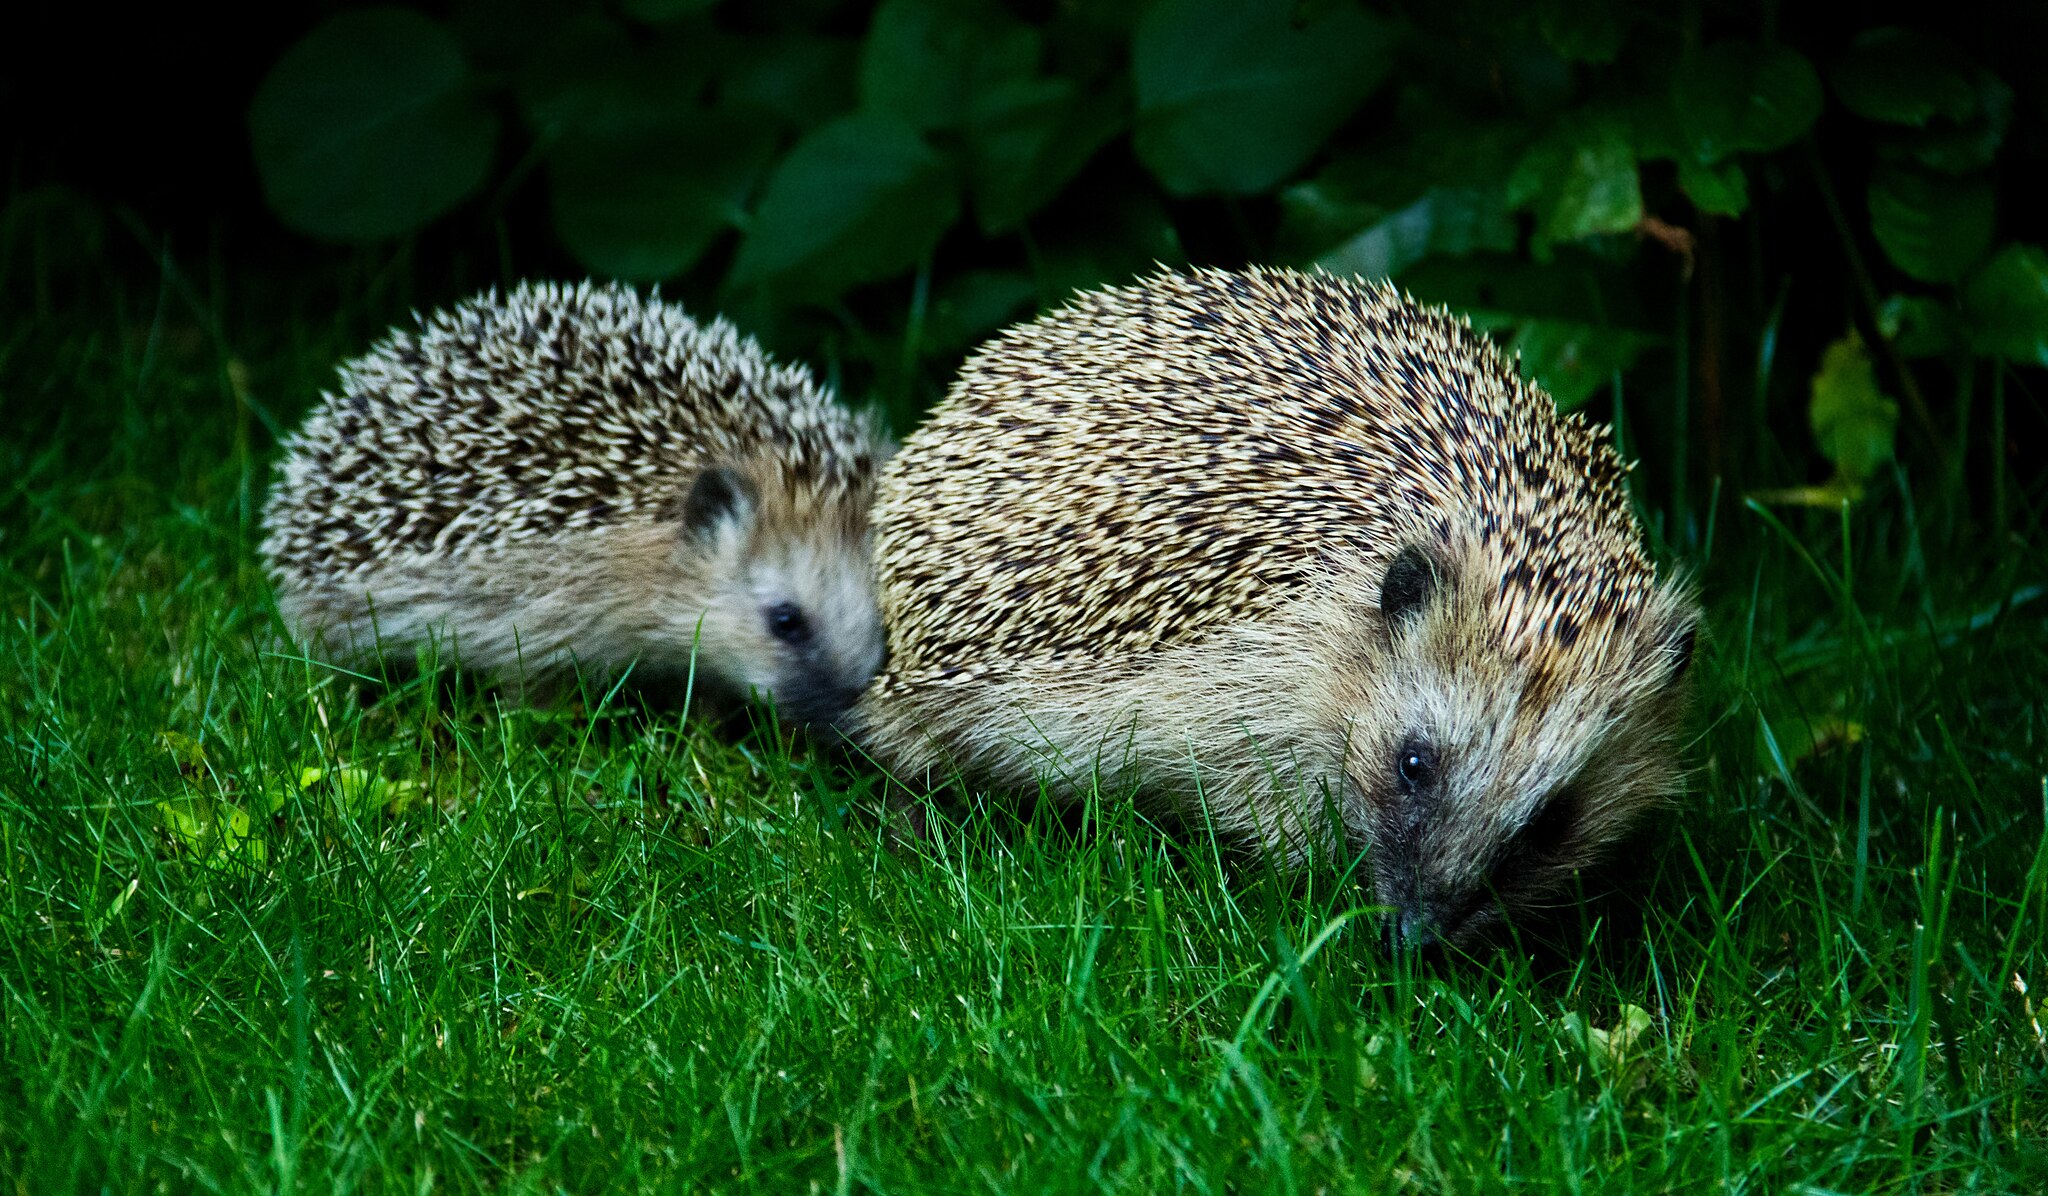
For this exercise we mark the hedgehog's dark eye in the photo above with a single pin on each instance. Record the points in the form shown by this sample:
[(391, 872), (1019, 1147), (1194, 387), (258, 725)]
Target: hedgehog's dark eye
[(786, 622), (1415, 764)]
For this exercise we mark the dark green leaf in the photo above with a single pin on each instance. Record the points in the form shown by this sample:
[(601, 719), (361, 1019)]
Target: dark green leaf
[(1583, 30), (1573, 286), (1854, 421), (1795, 739), (1580, 180), (970, 306), (1736, 96), (645, 206), (1318, 214), (1573, 361), (660, 12), (597, 80), (1233, 97), (1906, 77), (926, 61), (369, 127), (510, 35), (1934, 227), (1720, 190), (1027, 138), (1447, 220), (1105, 239), (1920, 326), (1957, 148), (1953, 113), (803, 80), (1653, 128), (214, 832), (2006, 304), (856, 200), (1358, 189)]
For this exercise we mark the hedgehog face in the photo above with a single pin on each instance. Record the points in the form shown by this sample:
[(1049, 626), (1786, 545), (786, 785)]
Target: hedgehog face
[(789, 611), (1488, 772)]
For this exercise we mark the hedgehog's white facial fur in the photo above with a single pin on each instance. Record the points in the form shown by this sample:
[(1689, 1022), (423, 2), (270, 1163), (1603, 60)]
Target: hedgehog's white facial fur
[(788, 608), (1482, 775)]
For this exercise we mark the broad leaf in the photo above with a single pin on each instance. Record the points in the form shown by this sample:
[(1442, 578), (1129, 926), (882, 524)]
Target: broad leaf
[(1921, 326), (1934, 227), (803, 81), (1234, 97), (1653, 128), (369, 127), (1949, 112), (645, 206), (1957, 147), (660, 12), (1573, 286), (926, 61), (1447, 220), (215, 832), (2006, 304), (363, 793), (972, 305), (1718, 190), (1452, 156), (858, 199), (597, 79), (1028, 138), (1737, 96), (1102, 240), (1905, 77), (1580, 180), (1573, 361), (1854, 421), (1583, 30)]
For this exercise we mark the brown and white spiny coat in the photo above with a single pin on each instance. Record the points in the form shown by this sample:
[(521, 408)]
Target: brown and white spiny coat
[(1304, 560), (579, 476)]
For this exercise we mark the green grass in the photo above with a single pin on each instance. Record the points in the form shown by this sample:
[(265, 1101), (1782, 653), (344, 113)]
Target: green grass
[(602, 947)]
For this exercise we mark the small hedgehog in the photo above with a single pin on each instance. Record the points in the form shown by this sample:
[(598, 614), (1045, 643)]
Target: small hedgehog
[(577, 477), (1307, 563)]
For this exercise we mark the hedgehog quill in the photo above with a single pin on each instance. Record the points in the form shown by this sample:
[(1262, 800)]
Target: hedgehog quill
[(576, 477), (1304, 561)]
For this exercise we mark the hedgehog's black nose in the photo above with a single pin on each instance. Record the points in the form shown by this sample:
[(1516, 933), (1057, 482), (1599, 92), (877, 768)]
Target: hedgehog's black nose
[(1410, 928), (1417, 929)]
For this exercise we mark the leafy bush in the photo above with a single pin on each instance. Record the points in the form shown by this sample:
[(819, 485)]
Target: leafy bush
[(1658, 211)]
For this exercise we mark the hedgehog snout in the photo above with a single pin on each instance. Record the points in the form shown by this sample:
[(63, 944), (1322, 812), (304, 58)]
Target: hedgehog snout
[(816, 698), (815, 622)]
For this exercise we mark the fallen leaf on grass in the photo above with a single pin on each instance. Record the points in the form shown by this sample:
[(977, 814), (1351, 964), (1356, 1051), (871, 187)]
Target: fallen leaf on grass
[(219, 834), (1610, 1051), (362, 792), (1799, 738)]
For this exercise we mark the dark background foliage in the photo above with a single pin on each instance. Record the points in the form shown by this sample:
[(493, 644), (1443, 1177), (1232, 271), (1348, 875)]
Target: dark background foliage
[(1770, 241)]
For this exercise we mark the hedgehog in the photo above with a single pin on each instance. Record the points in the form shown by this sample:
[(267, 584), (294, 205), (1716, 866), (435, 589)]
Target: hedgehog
[(576, 478), (1297, 560)]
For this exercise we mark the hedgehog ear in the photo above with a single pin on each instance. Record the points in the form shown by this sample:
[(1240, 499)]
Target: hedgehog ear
[(719, 494), (1410, 581)]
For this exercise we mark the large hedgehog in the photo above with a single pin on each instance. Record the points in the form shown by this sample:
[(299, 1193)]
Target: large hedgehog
[(1307, 563), (577, 476)]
